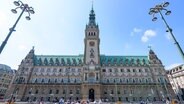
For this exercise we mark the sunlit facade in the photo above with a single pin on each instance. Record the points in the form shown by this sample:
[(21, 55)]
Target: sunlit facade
[(176, 78), (6, 76), (91, 75)]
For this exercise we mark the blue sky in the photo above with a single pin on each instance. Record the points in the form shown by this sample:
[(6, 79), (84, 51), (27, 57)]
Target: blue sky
[(57, 28)]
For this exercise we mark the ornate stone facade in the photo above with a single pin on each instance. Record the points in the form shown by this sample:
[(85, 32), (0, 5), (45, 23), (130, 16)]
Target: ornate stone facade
[(6, 77), (92, 75), (176, 78)]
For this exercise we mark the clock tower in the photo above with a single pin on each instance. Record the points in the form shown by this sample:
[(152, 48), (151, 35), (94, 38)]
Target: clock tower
[(92, 41), (91, 74)]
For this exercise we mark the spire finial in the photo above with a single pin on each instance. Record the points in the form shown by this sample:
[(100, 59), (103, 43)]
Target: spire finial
[(149, 46), (92, 4), (92, 16)]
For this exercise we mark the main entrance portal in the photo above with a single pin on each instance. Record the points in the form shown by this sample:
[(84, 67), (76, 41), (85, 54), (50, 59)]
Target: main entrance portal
[(91, 95)]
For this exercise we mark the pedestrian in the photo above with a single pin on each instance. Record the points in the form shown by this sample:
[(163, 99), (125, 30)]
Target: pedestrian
[(41, 101), (61, 101), (100, 101)]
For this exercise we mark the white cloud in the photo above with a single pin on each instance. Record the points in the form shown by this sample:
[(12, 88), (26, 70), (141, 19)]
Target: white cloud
[(127, 46), (135, 30), (3, 19), (22, 47), (147, 35), (144, 39), (172, 66)]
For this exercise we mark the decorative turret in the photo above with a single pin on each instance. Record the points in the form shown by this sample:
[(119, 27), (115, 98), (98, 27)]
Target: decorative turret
[(92, 17), (25, 68), (29, 59), (153, 58)]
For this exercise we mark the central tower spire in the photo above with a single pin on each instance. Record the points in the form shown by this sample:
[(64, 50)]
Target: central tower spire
[(92, 41), (92, 17)]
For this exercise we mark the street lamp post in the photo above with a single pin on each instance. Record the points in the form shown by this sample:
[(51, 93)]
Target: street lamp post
[(25, 8), (158, 9)]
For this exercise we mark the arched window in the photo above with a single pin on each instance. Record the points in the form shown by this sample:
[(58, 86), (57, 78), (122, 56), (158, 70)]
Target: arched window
[(146, 80), (55, 80), (140, 80), (36, 81), (127, 80), (107, 80), (42, 80), (120, 81), (60, 70), (133, 81)]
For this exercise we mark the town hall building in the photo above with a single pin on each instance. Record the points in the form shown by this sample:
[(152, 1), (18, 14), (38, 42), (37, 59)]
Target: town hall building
[(91, 75)]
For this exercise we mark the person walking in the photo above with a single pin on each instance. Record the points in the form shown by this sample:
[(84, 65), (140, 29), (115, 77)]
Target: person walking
[(61, 101)]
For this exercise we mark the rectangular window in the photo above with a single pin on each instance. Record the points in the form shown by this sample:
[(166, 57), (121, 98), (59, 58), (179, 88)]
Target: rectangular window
[(57, 91), (71, 92), (77, 91), (140, 70), (125, 91), (146, 70), (134, 70), (50, 92), (128, 70)]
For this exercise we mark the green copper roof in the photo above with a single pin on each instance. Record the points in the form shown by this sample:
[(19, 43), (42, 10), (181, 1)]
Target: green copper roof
[(51, 60), (77, 60), (124, 60)]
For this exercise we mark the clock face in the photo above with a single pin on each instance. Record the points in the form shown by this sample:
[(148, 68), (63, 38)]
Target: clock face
[(91, 43)]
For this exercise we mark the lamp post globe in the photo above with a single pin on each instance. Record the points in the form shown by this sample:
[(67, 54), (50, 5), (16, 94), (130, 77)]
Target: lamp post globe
[(158, 9), (25, 8)]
